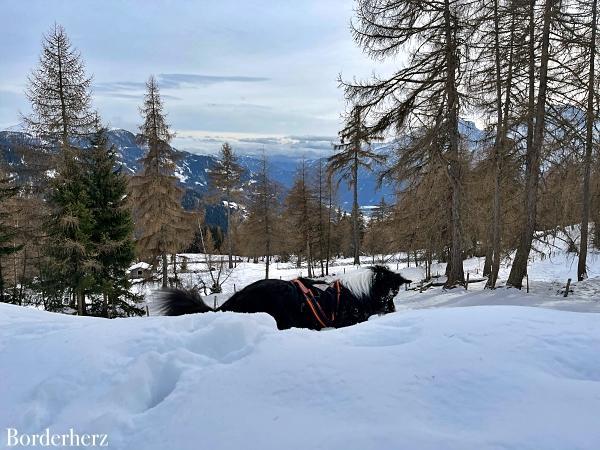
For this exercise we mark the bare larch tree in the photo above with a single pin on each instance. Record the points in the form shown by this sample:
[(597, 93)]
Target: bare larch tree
[(225, 179), (59, 92), (590, 9), (426, 91), (353, 152)]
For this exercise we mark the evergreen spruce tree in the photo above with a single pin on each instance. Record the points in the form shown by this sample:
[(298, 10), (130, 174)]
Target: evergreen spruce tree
[(225, 179), (162, 227), (70, 252), (112, 232), (7, 231)]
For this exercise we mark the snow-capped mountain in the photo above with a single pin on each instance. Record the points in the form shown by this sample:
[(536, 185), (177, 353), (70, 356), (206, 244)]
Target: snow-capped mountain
[(192, 169)]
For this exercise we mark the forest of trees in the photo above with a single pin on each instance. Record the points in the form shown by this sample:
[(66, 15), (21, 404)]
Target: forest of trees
[(72, 226)]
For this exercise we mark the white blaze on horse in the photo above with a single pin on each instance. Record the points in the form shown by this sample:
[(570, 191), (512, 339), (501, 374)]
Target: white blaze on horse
[(302, 303)]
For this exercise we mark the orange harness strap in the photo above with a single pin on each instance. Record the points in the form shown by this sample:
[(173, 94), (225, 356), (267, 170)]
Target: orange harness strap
[(312, 301)]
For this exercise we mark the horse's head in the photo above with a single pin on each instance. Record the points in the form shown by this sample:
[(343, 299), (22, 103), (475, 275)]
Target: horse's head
[(386, 285)]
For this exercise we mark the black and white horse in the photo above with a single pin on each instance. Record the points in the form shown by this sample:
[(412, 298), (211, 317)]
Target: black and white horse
[(302, 303)]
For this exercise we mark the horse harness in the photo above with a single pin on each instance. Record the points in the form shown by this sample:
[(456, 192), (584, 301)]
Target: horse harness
[(314, 306)]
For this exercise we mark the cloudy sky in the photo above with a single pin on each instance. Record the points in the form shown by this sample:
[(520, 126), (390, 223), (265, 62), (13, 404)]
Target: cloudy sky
[(255, 72)]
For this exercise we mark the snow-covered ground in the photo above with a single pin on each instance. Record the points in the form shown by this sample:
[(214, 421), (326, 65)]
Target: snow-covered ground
[(449, 370), (486, 377)]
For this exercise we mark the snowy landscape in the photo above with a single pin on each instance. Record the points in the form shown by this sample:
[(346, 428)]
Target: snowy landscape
[(459, 369), (270, 225)]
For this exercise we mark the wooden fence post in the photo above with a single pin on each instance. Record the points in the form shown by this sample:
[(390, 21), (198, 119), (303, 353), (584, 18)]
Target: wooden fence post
[(568, 286), (527, 280), (467, 282)]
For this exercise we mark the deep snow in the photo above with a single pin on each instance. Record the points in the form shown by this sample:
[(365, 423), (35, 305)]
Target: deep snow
[(484, 377), (449, 370)]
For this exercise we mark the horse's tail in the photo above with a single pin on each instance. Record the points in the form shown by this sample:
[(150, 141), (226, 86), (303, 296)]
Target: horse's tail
[(177, 302)]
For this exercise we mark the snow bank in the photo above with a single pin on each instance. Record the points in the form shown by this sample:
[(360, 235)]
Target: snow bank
[(489, 377), (584, 296)]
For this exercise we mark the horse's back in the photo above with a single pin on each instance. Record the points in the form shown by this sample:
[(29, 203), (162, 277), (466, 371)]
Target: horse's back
[(277, 298)]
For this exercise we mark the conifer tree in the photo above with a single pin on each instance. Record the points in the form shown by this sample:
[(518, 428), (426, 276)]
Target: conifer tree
[(299, 204), (161, 225), (591, 115), (225, 179), (499, 62), (258, 231), (8, 232), (112, 232), (69, 249), (266, 206), (59, 92), (375, 240), (426, 92), (542, 76), (354, 152), (323, 215)]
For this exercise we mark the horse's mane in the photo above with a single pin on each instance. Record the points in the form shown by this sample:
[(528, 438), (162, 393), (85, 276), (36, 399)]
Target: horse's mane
[(359, 282)]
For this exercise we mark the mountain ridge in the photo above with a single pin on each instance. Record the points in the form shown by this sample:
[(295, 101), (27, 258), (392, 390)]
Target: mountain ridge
[(192, 169)]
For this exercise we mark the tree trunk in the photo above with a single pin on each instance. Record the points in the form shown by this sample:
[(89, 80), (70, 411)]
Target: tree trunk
[(61, 95), (321, 231), (487, 265), (23, 275), (589, 136), (229, 233), (267, 262), (501, 131), (175, 268), (355, 230), (165, 270), (532, 170), (267, 245), (448, 264), (81, 304), (494, 252), (456, 274), (330, 205), (494, 247), (1, 284), (309, 257), (104, 305), (429, 262)]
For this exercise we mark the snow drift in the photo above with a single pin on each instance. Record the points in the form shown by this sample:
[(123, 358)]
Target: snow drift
[(485, 377)]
